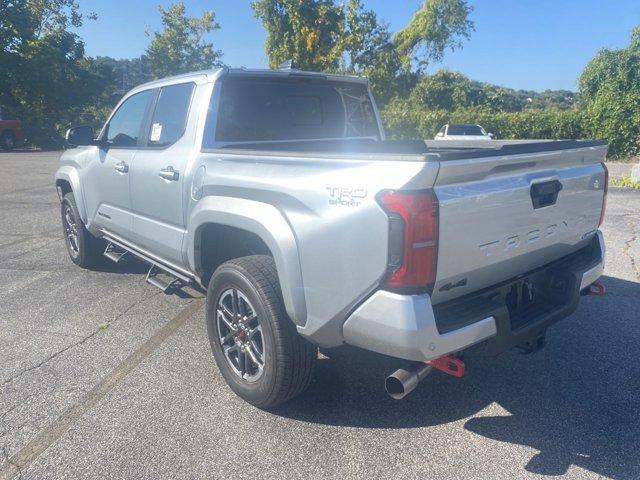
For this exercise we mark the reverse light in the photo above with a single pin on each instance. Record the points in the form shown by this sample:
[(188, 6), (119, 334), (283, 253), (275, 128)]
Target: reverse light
[(604, 197), (413, 238)]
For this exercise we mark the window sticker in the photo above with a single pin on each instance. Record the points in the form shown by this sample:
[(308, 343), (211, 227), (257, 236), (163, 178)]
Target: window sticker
[(156, 132)]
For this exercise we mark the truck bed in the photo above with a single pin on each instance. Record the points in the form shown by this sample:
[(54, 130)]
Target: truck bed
[(422, 150), (489, 231)]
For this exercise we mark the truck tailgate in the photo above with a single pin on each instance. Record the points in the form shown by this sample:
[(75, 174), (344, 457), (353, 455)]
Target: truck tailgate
[(502, 216)]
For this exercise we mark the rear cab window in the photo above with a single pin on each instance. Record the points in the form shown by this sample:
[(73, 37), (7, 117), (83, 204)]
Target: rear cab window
[(263, 109)]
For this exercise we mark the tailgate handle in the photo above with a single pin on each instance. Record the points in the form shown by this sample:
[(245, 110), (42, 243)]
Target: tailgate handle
[(545, 193)]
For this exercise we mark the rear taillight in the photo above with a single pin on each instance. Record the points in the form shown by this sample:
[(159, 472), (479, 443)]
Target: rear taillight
[(604, 196), (413, 239)]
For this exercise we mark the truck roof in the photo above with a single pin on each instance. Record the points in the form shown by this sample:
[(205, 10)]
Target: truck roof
[(217, 72)]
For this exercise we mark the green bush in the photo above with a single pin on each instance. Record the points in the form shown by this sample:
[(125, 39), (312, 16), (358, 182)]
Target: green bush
[(608, 107), (625, 182), (404, 120), (610, 92)]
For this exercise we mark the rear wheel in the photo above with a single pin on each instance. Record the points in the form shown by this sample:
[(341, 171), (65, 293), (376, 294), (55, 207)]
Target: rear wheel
[(254, 343), (84, 249), (7, 141)]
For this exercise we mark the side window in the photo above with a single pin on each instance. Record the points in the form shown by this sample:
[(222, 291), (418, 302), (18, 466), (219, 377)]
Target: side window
[(170, 116), (124, 127)]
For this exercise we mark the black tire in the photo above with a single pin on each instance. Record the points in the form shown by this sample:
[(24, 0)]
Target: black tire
[(86, 251), (289, 359), (7, 141)]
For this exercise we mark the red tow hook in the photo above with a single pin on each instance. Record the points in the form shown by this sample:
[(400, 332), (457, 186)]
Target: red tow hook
[(597, 289), (449, 364)]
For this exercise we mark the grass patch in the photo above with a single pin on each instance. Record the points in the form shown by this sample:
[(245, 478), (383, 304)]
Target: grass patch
[(631, 159), (625, 182)]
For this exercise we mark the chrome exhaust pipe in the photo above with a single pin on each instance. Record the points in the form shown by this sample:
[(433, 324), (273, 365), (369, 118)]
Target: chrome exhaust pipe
[(404, 380)]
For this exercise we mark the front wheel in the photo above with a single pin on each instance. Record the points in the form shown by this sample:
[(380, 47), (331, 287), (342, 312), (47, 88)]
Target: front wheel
[(254, 343), (84, 249)]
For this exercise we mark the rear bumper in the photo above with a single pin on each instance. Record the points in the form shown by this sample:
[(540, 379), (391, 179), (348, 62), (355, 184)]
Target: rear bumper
[(595, 271), (409, 327)]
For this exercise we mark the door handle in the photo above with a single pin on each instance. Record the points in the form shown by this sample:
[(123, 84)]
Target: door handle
[(168, 173), (121, 167)]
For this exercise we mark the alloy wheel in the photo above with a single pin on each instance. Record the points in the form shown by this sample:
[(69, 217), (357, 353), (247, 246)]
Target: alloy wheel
[(71, 229), (240, 335)]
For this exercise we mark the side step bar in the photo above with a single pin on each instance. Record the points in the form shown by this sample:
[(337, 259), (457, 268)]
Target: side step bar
[(167, 286), (117, 249), (113, 253)]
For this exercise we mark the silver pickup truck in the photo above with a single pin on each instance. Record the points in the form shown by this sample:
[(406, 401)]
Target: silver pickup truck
[(277, 192)]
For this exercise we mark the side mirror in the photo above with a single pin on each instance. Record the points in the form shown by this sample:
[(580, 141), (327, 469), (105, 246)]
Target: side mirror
[(491, 136), (80, 136)]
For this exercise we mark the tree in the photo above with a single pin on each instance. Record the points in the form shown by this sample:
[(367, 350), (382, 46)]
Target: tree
[(111, 79), (309, 32), (552, 98), (120, 76), (180, 48), (43, 81), (321, 35), (610, 92), (445, 90), (451, 91), (437, 26), (369, 50), (501, 99)]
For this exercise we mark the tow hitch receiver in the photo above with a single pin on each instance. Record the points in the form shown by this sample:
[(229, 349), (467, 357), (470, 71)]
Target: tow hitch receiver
[(449, 364), (596, 288)]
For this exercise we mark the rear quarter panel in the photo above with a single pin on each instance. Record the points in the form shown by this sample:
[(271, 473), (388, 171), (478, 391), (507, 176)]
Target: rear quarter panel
[(330, 206)]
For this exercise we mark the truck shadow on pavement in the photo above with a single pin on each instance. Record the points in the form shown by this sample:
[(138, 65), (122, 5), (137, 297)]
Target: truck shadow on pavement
[(134, 266), (577, 401), (128, 265)]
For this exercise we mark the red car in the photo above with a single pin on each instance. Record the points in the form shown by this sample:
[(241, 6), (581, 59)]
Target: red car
[(10, 133)]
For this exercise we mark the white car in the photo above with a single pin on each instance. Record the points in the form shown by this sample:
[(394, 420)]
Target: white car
[(463, 132)]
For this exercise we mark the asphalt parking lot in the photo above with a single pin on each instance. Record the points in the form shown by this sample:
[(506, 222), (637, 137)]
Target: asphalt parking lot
[(103, 376)]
